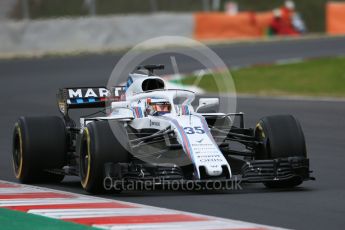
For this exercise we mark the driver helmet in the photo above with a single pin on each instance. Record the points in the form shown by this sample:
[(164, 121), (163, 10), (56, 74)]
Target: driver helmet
[(290, 4), (157, 107)]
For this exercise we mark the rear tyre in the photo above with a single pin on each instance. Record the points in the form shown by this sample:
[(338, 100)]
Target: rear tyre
[(99, 146), (39, 144), (283, 137)]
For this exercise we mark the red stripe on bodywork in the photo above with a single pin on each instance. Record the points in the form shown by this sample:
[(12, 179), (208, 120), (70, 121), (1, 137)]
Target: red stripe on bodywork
[(26, 208), (35, 195), (137, 112), (136, 219)]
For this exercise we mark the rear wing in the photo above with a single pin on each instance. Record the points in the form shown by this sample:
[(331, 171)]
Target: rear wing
[(88, 97)]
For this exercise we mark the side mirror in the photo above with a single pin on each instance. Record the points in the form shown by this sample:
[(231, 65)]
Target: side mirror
[(208, 105)]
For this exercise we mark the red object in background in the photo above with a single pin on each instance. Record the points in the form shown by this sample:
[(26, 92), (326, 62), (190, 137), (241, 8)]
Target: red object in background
[(286, 27), (211, 26), (281, 22), (252, 18), (217, 26), (335, 18), (276, 25), (263, 20)]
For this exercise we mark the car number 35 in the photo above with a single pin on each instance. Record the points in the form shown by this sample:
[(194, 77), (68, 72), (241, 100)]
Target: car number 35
[(194, 130)]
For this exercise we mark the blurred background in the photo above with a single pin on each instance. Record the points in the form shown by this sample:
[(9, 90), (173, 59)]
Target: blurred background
[(312, 11), (67, 25)]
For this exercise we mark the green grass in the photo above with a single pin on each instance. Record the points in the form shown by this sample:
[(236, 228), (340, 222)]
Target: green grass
[(15, 220), (321, 77)]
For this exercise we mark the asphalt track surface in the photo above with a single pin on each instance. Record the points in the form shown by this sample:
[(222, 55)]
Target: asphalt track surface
[(28, 87)]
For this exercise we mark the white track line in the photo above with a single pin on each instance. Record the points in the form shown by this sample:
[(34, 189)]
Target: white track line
[(23, 202), (84, 213), (214, 224), (4, 191)]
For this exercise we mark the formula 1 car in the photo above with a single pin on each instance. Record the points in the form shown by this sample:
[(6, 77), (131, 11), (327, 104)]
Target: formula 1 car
[(152, 132)]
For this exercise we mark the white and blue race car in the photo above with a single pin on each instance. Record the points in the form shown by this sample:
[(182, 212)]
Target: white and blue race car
[(149, 132)]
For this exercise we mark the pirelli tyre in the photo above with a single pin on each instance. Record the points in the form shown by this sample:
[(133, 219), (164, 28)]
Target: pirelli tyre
[(283, 137), (39, 145), (98, 146)]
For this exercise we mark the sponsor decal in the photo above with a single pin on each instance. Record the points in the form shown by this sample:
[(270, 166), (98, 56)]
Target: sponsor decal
[(94, 95), (155, 123), (199, 141), (119, 91), (87, 92)]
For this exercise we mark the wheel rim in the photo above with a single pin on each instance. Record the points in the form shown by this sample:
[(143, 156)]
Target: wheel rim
[(262, 152), (17, 153), (85, 159)]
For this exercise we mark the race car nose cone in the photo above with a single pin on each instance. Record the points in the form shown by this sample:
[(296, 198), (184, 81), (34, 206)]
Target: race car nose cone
[(214, 170)]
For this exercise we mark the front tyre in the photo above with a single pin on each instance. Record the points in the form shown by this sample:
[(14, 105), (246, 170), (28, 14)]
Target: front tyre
[(98, 146), (282, 137), (39, 145)]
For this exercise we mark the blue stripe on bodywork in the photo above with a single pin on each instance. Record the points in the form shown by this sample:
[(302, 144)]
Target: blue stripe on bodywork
[(128, 83), (140, 112), (80, 100)]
